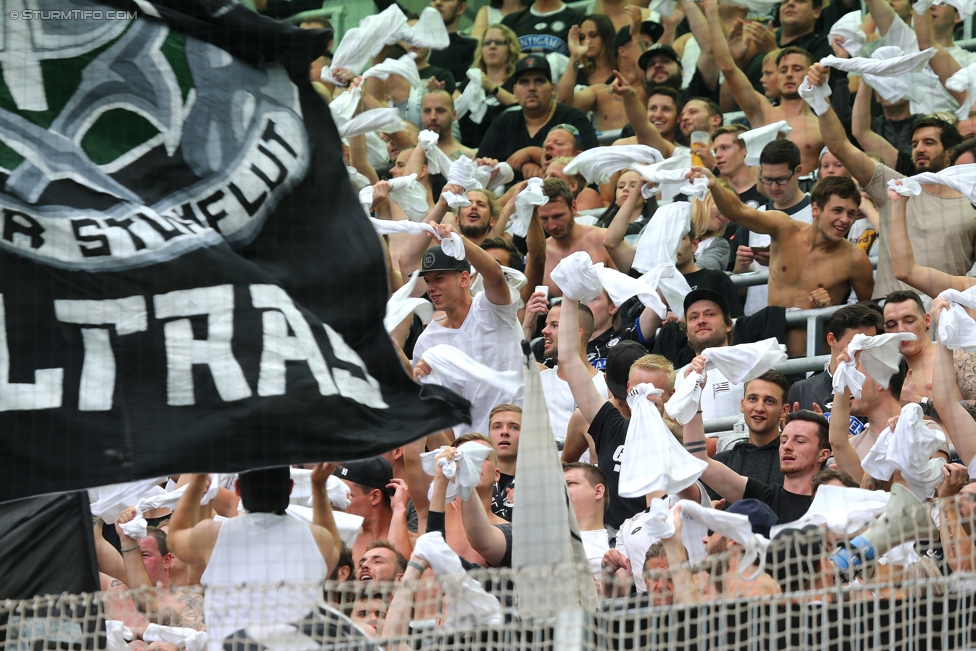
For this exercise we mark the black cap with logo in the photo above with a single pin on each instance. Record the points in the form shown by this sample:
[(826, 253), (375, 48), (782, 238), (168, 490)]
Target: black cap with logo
[(658, 49), (533, 63), (436, 260)]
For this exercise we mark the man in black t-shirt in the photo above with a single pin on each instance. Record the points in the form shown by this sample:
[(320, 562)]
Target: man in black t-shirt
[(544, 26), (804, 448), (528, 124), (504, 426), (729, 152), (458, 56), (699, 278), (627, 366), (609, 329)]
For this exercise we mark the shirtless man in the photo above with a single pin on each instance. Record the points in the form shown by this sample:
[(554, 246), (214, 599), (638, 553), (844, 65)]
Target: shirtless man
[(793, 64), (438, 115), (654, 127), (565, 235), (608, 109), (811, 265), (147, 563)]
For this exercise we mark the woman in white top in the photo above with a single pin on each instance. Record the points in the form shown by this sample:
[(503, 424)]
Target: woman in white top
[(493, 12), (713, 249)]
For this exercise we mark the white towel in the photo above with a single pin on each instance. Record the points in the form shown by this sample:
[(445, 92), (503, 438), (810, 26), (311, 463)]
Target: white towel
[(961, 178), (463, 473), (576, 275), (815, 96), (957, 330), (429, 31), (653, 460), (437, 161), (844, 511), (756, 6), (663, 7), (599, 164), (677, 176), (849, 29), (734, 526), (335, 488), (344, 106), (401, 304), (461, 172), (407, 192), (362, 43), (880, 357), (385, 120), (116, 634), (472, 99), (191, 639), (661, 239), (404, 67), (469, 604), (108, 502), (525, 204), (504, 177), (347, 523), (672, 285), (136, 527), (738, 364), (889, 70), (669, 173), (964, 81), (757, 139), (909, 449), (452, 245), (447, 361)]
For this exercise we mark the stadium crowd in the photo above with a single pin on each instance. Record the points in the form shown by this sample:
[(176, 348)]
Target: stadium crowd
[(505, 221)]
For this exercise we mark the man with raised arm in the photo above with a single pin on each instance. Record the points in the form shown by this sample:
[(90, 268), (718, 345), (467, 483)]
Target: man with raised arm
[(484, 327), (792, 63), (941, 222), (810, 265), (263, 547)]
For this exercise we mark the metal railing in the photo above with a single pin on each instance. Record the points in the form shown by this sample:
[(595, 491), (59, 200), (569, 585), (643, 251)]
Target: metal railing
[(761, 277)]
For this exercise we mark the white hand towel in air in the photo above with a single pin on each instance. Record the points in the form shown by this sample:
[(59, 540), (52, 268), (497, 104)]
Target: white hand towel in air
[(734, 526), (446, 361), (890, 71), (469, 604), (451, 245), (504, 176), (472, 99), (880, 357), (665, 172), (365, 41), (385, 120), (343, 107), (401, 304), (599, 164), (525, 204), (463, 472), (957, 330), (756, 6), (404, 67), (849, 29), (738, 364), (461, 173), (191, 639), (406, 191), (661, 238), (348, 524), (964, 81), (757, 139), (672, 285), (815, 96), (108, 502), (653, 460), (843, 510), (429, 31), (437, 161), (136, 527), (116, 634), (964, 7), (577, 276), (358, 180), (961, 178), (908, 448)]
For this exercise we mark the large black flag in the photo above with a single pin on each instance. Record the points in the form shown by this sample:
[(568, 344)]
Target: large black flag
[(187, 281)]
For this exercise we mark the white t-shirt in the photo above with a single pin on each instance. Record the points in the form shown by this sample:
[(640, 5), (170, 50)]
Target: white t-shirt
[(595, 543), (634, 538), (757, 297), (560, 402), (720, 397), (491, 335)]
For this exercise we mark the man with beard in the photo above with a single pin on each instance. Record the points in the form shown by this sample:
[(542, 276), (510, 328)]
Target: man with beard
[(458, 56), (699, 114), (555, 388), (792, 63), (438, 115), (810, 265), (565, 235), (485, 327), (941, 222), (539, 112), (381, 562)]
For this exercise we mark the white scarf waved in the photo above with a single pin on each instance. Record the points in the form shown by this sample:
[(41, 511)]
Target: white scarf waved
[(472, 99), (463, 472), (136, 528), (661, 238), (404, 67), (525, 204), (961, 178), (401, 304), (468, 603), (757, 139), (437, 161), (447, 361), (452, 245), (909, 448), (410, 195), (653, 460), (734, 526), (957, 330), (738, 364), (599, 164), (880, 357)]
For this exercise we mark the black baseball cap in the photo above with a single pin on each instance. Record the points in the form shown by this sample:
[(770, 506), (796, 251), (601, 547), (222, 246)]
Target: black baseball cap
[(436, 260), (707, 295), (761, 517), (374, 473), (658, 49), (648, 28), (619, 360), (533, 63)]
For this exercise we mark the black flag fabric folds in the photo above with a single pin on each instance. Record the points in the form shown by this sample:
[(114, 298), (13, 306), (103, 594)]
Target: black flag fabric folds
[(187, 280)]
